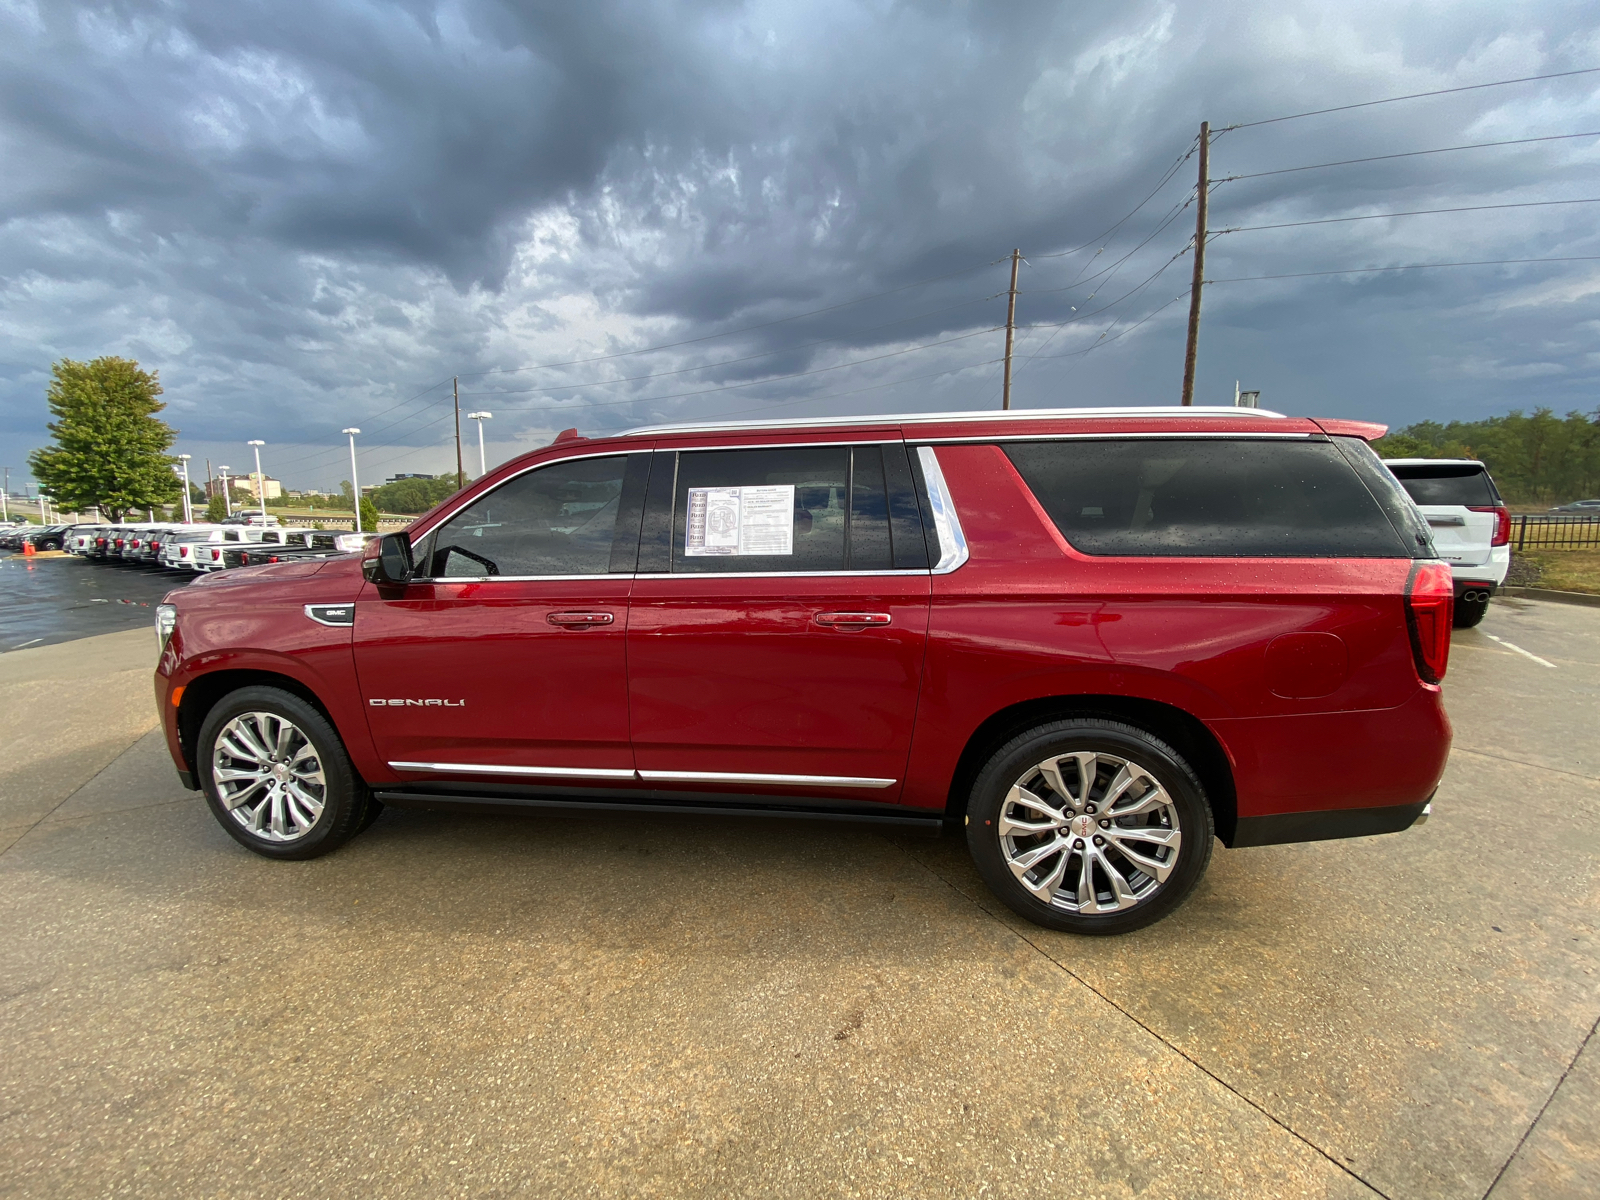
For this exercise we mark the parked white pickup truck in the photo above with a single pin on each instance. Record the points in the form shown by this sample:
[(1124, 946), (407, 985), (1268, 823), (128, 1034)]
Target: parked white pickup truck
[(1470, 522)]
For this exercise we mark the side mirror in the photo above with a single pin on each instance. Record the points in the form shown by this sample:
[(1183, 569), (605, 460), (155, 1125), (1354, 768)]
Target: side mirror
[(392, 563)]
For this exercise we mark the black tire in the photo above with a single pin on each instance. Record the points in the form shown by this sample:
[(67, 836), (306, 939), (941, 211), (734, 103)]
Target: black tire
[(1469, 612), (346, 804), (1160, 770)]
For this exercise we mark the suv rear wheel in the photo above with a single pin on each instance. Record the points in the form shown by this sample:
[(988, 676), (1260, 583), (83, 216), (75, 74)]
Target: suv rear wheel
[(1089, 826), (277, 776)]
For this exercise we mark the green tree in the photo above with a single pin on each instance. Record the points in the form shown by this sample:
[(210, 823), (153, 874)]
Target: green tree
[(1535, 459), (369, 516), (110, 448), (413, 495), (216, 509)]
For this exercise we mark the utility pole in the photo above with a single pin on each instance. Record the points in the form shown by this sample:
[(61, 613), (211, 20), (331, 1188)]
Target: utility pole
[(1011, 329), (1199, 262), (455, 390), (5, 497), (188, 503)]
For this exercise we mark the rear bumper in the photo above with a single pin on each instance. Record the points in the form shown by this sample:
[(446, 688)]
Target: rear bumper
[(1279, 828), (1341, 774)]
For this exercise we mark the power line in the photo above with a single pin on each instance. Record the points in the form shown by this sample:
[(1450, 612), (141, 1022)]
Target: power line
[(1473, 87), (1172, 215), (1420, 212), (1165, 179), (1555, 137), (1491, 262), (1098, 342)]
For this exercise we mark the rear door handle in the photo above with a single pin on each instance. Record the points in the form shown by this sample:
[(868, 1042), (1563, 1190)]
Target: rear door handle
[(580, 620), (851, 620)]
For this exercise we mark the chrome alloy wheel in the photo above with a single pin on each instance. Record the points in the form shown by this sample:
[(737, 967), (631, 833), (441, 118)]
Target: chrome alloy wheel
[(1090, 833), (269, 776)]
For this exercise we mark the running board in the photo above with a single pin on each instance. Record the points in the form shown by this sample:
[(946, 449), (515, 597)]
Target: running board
[(445, 802)]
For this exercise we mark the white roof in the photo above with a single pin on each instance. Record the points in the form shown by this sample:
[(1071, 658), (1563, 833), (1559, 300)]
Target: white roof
[(1015, 414)]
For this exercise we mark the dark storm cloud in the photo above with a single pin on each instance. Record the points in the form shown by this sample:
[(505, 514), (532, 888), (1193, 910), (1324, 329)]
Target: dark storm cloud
[(306, 213)]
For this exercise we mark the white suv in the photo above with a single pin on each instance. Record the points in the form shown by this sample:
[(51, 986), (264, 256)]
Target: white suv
[(1470, 522)]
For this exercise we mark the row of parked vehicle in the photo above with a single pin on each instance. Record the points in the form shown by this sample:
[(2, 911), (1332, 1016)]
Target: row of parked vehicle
[(193, 547)]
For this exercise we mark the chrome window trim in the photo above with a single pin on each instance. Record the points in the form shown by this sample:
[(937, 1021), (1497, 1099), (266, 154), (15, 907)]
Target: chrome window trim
[(850, 781), (543, 772), (845, 442), (925, 418), (615, 452), (1232, 435), (508, 578), (946, 522), (770, 574)]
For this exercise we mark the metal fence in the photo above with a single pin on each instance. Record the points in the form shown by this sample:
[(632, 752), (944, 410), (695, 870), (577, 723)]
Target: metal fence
[(1555, 531)]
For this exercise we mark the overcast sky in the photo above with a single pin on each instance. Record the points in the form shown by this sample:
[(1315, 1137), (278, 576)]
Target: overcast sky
[(307, 213)]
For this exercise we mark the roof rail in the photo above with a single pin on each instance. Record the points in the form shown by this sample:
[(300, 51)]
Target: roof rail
[(1015, 414)]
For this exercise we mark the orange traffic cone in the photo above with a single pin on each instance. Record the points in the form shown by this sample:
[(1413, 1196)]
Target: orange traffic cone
[(27, 550)]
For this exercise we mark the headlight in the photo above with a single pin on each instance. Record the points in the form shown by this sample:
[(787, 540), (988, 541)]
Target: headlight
[(166, 622)]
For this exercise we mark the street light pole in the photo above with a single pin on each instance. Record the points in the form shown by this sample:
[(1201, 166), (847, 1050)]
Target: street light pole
[(227, 500), (261, 480), (355, 481), (480, 418), (188, 506)]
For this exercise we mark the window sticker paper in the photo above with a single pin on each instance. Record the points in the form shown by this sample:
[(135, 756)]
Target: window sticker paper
[(740, 521)]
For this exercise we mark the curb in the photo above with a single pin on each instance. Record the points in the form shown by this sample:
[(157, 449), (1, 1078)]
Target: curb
[(1531, 593)]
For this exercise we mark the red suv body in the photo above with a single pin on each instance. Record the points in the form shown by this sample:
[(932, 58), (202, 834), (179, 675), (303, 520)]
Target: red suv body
[(1093, 638)]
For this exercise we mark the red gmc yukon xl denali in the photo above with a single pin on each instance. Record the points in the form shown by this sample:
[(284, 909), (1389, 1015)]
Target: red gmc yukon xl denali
[(1095, 640)]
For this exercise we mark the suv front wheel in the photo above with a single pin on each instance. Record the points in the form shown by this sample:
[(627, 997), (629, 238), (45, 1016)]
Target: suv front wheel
[(1089, 826), (277, 777)]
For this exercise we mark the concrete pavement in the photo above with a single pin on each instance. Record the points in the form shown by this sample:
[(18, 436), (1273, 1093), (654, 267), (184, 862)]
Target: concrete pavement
[(577, 1005)]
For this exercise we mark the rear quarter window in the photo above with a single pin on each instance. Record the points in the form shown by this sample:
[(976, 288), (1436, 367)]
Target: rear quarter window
[(1469, 487), (1207, 497)]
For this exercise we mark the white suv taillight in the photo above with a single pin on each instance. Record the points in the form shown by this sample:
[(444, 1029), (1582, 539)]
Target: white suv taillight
[(1502, 523)]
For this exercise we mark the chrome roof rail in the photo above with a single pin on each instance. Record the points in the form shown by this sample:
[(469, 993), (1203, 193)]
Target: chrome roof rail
[(1015, 414)]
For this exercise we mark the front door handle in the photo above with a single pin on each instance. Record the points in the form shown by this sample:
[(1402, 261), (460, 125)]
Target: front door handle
[(580, 620), (852, 620)]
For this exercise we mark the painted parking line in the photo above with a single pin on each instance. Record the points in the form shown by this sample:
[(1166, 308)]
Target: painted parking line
[(1521, 651)]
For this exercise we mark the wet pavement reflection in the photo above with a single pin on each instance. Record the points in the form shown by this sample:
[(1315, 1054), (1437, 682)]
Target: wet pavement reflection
[(48, 599)]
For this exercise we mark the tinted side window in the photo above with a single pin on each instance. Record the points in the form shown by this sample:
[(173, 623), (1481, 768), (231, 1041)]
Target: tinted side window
[(1209, 497), (1466, 486), (554, 520), (806, 508)]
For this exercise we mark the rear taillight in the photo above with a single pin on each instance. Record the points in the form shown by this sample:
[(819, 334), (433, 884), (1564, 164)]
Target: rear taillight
[(1502, 523), (1430, 604)]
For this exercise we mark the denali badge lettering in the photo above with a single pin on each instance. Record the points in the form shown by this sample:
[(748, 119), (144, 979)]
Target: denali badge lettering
[(417, 703)]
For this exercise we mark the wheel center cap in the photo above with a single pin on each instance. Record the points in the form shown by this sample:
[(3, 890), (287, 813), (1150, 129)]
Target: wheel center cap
[(280, 772), (1081, 826)]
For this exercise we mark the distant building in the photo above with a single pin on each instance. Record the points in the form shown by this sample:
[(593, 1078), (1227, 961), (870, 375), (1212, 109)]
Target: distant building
[(254, 484), (407, 475)]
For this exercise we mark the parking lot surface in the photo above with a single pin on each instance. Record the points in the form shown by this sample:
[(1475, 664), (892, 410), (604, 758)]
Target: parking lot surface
[(58, 598), (579, 1005)]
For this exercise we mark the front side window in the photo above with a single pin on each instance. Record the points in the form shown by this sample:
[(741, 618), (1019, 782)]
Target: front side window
[(554, 520), (790, 509), (1212, 497)]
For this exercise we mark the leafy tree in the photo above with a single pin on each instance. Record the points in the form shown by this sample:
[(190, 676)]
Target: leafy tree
[(369, 516), (1535, 459), (413, 495), (216, 509), (110, 449)]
